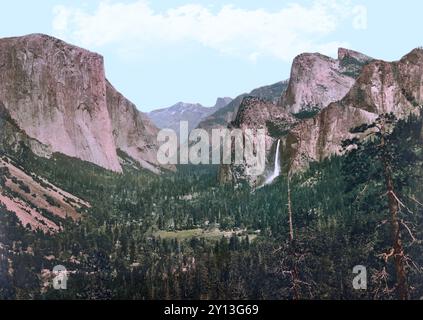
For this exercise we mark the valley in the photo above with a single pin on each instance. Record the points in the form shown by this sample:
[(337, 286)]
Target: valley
[(81, 185)]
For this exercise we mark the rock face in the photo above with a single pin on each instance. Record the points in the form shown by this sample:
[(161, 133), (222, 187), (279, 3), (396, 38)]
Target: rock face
[(343, 93), (382, 88), (133, 131), (224, 116), (170, 118), (320, 137), (317, 80), (58, 95), (255, 113), (12, 137)]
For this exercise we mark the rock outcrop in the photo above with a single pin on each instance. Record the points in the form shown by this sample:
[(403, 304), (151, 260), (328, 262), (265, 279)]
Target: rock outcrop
[(255, 113), (382, 87), (343, 94), (317, 80), (58, 95), (133, 131), (224, 116)]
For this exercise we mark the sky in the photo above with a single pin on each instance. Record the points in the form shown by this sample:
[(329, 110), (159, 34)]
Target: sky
[(158, 53)]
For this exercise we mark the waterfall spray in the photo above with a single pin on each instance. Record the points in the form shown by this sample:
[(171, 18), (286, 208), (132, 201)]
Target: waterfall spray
[(277, 169)]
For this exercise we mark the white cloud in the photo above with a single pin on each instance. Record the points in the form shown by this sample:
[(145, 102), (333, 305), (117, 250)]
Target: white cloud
[(249, 34)]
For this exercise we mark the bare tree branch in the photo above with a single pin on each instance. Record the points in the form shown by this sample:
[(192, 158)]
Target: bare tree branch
[(399, 202), (416, 201), (409, 231)]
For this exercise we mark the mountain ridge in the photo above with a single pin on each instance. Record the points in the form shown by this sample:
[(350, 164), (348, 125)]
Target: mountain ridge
[(193, 113), (223, 117)]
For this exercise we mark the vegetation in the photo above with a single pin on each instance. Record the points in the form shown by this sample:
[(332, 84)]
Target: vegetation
[(307, 113), (183, 236)]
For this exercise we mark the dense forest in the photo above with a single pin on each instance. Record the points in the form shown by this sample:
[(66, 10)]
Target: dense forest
[(183, 236)]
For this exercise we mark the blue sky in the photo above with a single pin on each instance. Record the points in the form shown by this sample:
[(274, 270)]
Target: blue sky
[(160, 52)]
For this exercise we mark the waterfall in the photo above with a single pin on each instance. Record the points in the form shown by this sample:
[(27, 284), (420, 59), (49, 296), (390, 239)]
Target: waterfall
[(277, 170)]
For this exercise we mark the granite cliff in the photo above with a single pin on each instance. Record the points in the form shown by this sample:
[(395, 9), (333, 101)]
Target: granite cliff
[(59, 96)]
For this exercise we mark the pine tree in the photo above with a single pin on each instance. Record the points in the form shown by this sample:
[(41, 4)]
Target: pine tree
[(388, 141)]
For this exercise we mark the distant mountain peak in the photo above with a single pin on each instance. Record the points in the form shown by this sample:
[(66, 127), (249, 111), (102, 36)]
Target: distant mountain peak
[(222, 102), (194, 113)]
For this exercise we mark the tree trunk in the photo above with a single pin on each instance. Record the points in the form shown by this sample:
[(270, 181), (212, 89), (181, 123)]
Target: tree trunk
[(294, 274), (402, 287), (291, 226)]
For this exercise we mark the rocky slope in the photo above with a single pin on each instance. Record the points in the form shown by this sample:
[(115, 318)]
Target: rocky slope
[(170, 118), (58, 95), (37, 203)]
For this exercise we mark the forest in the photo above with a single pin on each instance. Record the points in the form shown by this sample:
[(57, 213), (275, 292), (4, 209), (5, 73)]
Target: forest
[(183, 235)]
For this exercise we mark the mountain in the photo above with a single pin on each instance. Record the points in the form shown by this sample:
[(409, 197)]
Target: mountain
[(224, 116), (133, 234), (382, 87), (327, 98), (170, 118), (317, 80), (221, 103), (59, 96)]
